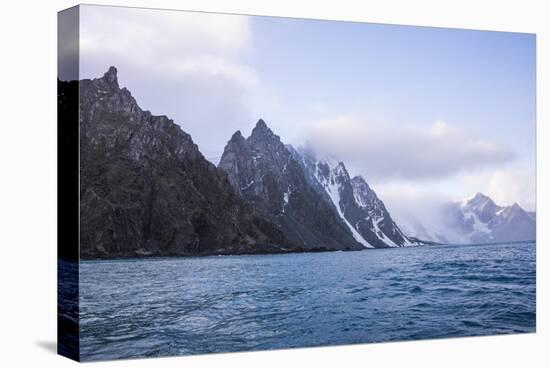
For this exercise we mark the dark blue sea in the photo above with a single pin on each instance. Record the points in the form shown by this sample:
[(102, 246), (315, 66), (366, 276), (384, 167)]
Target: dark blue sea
[(174, 306)]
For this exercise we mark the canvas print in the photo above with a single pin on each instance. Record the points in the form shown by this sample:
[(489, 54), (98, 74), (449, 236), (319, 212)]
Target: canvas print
[(239, 183)]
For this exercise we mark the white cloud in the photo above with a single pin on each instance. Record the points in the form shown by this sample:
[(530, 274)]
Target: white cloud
[(140, 33), (507, 186), (520, 187), (387, 151), (188, 66), (417, 209)]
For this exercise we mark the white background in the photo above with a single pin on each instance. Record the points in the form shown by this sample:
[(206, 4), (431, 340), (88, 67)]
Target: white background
[(28, 183)]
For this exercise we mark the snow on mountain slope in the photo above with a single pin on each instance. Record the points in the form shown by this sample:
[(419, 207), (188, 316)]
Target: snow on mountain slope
[(385, 227), (264, 175), (357, 204), (479, 219), (333, 191)]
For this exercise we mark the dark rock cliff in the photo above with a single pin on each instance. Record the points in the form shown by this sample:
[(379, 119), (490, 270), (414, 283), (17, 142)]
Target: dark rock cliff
[(145, 189), (264, 173)]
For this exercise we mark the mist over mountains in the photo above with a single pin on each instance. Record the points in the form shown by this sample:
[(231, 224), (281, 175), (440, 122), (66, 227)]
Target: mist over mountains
[(146, 190), (477, 219)]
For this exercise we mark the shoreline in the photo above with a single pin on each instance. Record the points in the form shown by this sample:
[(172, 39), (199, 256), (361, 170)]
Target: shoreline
[(301, 251)]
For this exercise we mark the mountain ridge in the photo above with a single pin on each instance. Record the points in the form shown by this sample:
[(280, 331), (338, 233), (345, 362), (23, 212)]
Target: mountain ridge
[(476, 220), (147, 190), (357, 204), (264, 173)]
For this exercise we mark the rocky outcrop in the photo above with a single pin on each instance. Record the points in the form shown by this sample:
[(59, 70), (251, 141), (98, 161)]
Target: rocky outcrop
[(145, 189), (356, 203), (265, 175), (373, 219)]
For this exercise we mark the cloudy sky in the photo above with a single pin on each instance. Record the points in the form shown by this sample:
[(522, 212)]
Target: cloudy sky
[(424, 114)]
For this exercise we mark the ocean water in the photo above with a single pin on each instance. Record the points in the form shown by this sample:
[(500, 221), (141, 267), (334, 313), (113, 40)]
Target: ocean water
[(175, 306)]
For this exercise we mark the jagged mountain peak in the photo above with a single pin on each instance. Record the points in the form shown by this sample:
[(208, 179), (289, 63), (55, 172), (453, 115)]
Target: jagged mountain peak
[(480, 220), (265, 174), (147, 190), (513, 210), (479, 196), (110, 76), (237, 136), (261, 129), (340, 166), (262, 137), (480, 203), (261, 124), (477, 199)]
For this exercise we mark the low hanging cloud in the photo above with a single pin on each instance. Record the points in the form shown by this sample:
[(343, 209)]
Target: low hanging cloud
[(385, 151), (506, 187), (188, 66)]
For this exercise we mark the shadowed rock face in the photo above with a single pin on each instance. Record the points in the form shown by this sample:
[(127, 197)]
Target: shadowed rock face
[(145, 189), (263, 172)]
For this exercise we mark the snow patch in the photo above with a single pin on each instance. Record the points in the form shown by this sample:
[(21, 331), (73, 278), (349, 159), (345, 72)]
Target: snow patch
[(286, 197), (332, 190), (246, 187), (378, 232), (477, 224)]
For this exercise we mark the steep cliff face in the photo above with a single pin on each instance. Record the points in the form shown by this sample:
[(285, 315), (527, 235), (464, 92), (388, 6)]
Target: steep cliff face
[(356, 203), (145, 189), (373, 218), (264, 173)]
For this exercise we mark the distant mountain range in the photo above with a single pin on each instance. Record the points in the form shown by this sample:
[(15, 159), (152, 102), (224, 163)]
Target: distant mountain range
[(146, 190), (477, 220)]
